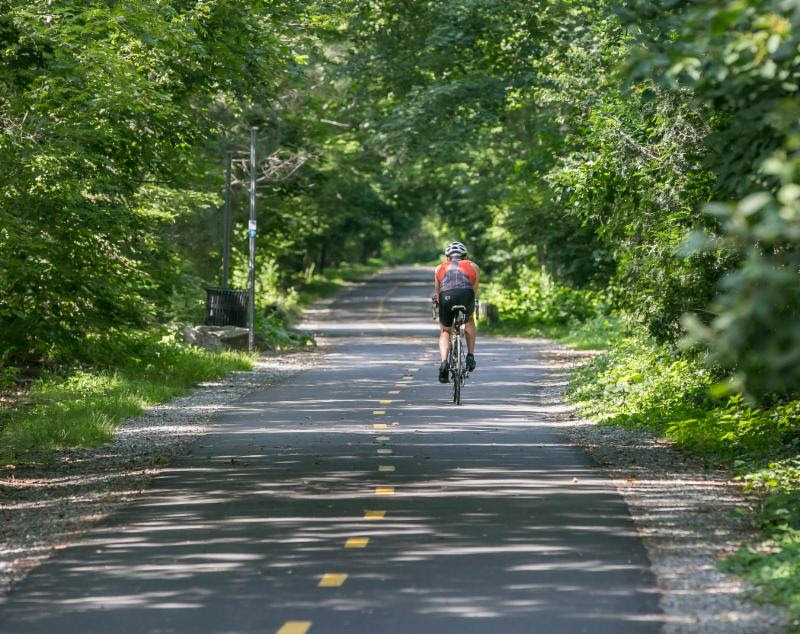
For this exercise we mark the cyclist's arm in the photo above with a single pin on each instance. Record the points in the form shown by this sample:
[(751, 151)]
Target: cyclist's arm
[(436, 284), (477, 278)]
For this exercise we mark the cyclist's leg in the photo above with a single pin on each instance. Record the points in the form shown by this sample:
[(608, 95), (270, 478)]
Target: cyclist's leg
[(444, 341), (470, 333), (444, 351)]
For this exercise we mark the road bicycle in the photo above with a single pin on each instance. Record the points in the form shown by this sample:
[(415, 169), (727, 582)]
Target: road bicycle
[(457, 359)]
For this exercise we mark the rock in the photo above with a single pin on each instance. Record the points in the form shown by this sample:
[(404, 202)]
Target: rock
[(219, 338)]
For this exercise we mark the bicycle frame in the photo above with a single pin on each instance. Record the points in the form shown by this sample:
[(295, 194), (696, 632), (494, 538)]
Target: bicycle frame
[(458, 353)]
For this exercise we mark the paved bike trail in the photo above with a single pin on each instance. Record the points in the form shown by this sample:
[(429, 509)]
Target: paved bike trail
[(356, 498)]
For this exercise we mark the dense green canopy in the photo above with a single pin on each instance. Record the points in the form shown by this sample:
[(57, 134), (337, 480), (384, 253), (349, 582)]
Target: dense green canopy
[(585, 139)]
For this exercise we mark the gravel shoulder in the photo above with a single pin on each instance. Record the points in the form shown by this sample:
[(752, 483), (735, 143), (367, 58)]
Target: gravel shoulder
[(685, 513), (47, 505)]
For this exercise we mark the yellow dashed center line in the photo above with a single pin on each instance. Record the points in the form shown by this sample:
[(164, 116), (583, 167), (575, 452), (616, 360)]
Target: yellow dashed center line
[(379, 412), (374, 515), (386, 468), (357, 542), (332, 579), (394, 392), (384, 452), (382, 438), (385, 402), (384, 490), (295, 627), (380, 426)]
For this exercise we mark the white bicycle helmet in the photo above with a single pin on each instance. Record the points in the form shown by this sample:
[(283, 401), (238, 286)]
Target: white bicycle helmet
[(455, 248)]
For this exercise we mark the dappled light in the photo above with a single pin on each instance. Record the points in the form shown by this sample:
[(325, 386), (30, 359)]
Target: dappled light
[(490, 516), (182, 180)]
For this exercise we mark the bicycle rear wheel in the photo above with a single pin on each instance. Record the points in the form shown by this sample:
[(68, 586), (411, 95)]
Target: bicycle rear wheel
[(456, 370)]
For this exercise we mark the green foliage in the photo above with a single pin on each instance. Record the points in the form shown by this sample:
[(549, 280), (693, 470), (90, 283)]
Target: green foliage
[(773, 563), (741, 59), (736, 429), (598, 333), (278, 335), (532, 297), (595, 136), (642, 383), (83, 407), (754, 333), (116, 120), (645, 384), (773, 566), (99, 102)]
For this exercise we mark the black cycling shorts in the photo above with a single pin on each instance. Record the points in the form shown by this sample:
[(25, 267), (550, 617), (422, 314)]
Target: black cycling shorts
[(454, 297)]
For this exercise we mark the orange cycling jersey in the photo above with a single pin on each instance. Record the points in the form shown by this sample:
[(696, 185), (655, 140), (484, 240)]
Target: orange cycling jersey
[(456, 274)]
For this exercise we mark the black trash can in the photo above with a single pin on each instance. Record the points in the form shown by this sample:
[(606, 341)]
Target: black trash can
[(226, 307)]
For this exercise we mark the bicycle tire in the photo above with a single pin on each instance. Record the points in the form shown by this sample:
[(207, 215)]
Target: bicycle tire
[(453, 366), (462, 367), (457, 374)]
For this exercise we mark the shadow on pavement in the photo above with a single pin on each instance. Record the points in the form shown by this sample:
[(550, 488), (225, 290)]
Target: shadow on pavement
[(493, 522)]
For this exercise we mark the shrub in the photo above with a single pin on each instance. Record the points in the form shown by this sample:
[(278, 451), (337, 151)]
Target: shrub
[(533, 298)]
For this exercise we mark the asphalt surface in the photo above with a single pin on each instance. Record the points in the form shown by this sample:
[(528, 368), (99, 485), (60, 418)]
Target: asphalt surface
[(358, 499)]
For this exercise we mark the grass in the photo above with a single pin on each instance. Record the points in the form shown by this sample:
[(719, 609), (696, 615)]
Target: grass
[(597, 333), (82, 407)]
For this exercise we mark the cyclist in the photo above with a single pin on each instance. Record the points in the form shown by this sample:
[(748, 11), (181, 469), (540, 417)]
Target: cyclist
[(455, 282)]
